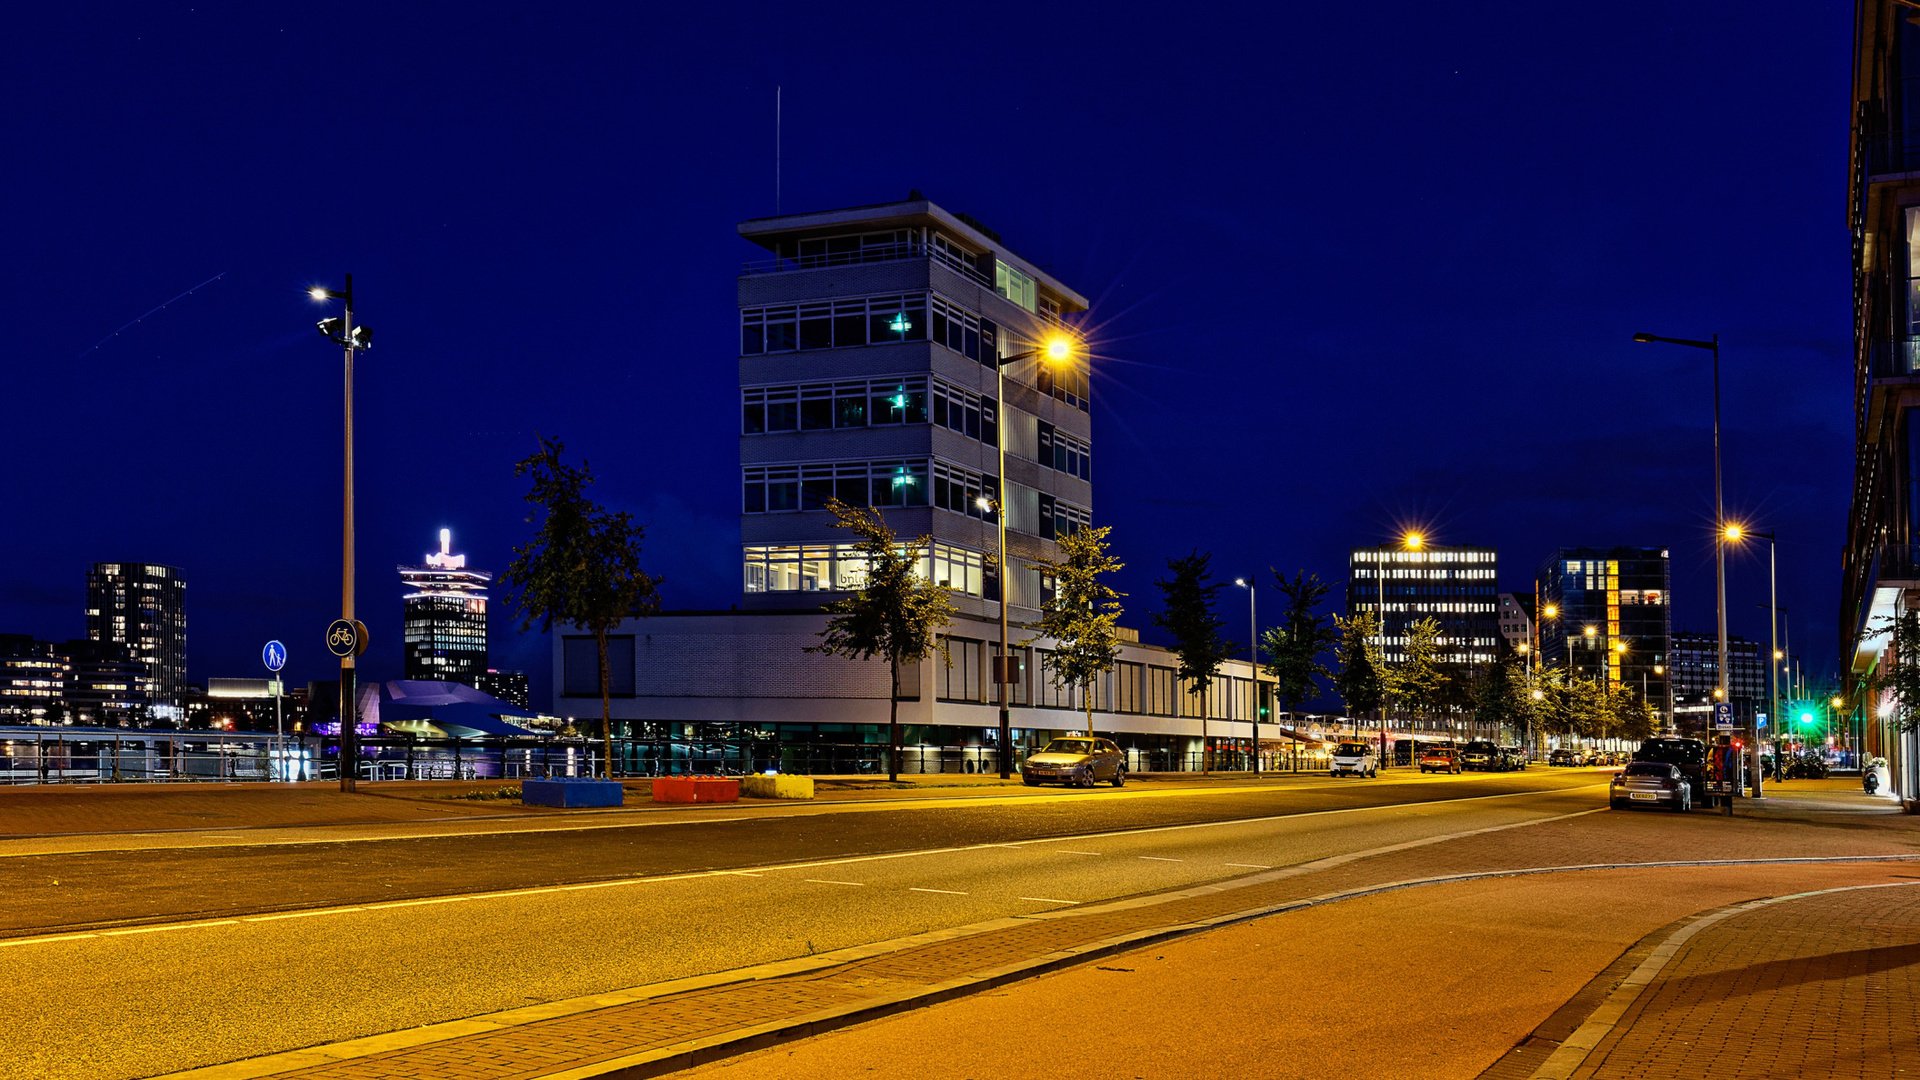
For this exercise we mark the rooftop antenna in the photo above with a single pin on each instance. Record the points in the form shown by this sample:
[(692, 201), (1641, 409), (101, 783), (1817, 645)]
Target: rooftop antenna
[(776, 149)]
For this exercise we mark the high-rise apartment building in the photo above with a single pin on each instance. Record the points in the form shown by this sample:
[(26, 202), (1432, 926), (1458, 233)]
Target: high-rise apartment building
[(445, 633), (143, 608), (1610, 618), (33, 677), (1696, 675), (1880, 575), (1454, 586)]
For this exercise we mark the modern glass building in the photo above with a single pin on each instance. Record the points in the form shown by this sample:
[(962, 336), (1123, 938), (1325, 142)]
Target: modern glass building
[(142, 607), (1696, 675), (1623, 596), (1452, 585), (445, 634), (1880, 565)]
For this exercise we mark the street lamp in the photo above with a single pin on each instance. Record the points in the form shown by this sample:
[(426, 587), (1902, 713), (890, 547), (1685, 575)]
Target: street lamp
[(1253, 636), (341, 331), (1057, 348), (1719, 507), (1411, 540), (1734, 532)]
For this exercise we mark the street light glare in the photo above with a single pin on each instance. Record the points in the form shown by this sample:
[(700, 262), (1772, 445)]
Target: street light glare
[(1551, 611), (317, 293), (1240, 581), (1059, 348), (1589, 630), (1734, 532), (1414, 540), (1643, 338)]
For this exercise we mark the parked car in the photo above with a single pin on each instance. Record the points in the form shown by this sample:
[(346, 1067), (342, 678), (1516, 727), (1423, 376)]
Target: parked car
[(1355, 759), (1650, 783), (1687, 755), (1482, 756), (1563, 756), (1080, 762), (1440, 759), (1516, 757)]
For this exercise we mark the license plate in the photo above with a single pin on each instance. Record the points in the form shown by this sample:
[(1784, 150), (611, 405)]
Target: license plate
[(1644, 795)]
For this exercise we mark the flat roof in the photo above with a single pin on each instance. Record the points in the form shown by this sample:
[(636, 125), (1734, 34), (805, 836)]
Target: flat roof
[(765, 231)]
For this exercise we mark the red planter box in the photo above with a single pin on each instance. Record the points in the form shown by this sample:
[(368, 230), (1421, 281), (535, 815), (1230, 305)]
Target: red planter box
[(694, 789)]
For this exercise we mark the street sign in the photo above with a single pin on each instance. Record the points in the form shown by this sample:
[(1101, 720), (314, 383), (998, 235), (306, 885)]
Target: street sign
[(1759, 719), (343, 637), (274, 656), (1722, 716)]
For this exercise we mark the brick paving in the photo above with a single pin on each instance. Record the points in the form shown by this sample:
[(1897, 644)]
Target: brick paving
[(1823, 986)]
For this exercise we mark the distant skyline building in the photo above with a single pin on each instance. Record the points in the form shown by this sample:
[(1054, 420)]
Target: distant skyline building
[(107, 687), (142, 607), (1624, 595), (510, 686), (1696, 673), (445, 632), (1516, 621), (1454, 586), (33, 679)]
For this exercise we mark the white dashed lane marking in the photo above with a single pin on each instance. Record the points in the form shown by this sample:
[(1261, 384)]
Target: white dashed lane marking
[(1048, 900), (825, 881), (943, 892)]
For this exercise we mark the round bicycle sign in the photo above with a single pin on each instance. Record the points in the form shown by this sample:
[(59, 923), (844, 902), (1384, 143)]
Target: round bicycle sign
[(343, 637)]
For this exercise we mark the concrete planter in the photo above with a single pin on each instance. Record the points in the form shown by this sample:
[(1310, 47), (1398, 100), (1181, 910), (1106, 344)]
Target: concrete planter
[(777, 787), (696, 789), (570, 794)]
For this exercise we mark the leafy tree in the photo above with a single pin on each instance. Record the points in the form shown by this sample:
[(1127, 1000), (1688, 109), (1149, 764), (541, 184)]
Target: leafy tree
[(1903, 676), (1418, 681), (896, 614), (1082, 613), (1356, 675), (1496, 696), (582, 568), (1198, 638), (1294, 647)]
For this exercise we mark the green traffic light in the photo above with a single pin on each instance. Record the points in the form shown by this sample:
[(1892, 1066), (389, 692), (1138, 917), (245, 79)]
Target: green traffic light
[(1806, 718)]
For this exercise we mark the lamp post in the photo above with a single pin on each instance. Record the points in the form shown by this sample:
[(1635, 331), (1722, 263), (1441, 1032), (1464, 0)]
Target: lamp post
[(341, 331), (1734, 533), (1719, 509), (1055, 349), (1410, 541), (1253, 649)]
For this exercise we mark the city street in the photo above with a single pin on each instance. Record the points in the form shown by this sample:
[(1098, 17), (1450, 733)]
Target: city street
[(217, 946)]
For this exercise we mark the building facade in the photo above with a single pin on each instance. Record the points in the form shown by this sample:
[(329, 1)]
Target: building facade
[(33, 679), (1454, 586), (1880, 565), (506, 685), (1623, 595), (873, 345), (1516, 622), (1696, 676), (142, 607), (445, 628)]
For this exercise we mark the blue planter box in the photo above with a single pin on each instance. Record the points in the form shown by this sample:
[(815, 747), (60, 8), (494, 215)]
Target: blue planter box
[(570, 794)]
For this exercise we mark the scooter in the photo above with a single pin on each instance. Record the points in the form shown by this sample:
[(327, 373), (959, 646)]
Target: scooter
[(1870, 780)]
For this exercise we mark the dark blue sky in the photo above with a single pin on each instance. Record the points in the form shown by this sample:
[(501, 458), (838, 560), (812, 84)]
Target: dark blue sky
[(1352, 267)]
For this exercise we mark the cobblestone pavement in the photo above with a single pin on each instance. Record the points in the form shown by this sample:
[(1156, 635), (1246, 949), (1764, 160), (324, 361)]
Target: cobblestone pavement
[(649, 1030)]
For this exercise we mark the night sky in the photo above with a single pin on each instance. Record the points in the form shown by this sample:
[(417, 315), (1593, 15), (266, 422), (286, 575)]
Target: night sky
[(1354, 268)]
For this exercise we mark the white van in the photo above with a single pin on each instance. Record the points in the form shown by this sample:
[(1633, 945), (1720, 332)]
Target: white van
[(1356, 758)]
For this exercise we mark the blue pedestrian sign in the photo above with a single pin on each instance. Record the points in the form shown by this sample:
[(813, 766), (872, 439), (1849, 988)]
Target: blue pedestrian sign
[(1723, 716), (274, 656)]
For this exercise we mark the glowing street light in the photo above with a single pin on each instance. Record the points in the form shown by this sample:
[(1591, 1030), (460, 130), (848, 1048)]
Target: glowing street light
[(1734, 533), (1058, 348), (1253, 636), (341, 331)]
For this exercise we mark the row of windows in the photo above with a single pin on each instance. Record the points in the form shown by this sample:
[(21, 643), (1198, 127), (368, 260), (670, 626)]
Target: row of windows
[(1131, 687), (961, 490), (1362, 571), (776, 489), (965, 412), (833, 324), (968, 334), (821, 567), (1066, 453), (1392, 555), (822, 406), (1060, 518)]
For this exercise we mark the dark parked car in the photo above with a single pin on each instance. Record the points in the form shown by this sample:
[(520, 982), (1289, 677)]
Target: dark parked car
[(1080, 762), (1563, 756), (1482, 756), (1440, 759), (1687, 755), (1652, 783), (1516, 757)]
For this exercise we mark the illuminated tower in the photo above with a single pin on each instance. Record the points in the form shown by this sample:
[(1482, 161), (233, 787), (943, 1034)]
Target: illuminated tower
[(143, 608), (446, 617)]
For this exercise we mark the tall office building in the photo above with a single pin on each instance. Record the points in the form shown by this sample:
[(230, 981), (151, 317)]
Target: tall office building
[(143, 608), (869, 342), (1454, 586), (1696, 674), (1622, 595), (1880, 575), (445, 635)]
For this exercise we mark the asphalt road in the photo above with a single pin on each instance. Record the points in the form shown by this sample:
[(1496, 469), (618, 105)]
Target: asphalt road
[(94, 882), (204, 954)]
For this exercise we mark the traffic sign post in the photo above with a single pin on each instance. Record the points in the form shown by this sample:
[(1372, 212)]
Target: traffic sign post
[(1722, 716), (274, 656)]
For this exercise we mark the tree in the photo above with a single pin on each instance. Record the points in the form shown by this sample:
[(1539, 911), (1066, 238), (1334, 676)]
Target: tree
[(582, 568), (1082, 613), (1903, 679), (1496, 696), (1356, 675), (1417, 680), (1294, 646), (1189, 616), (896, 614)]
